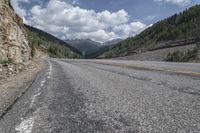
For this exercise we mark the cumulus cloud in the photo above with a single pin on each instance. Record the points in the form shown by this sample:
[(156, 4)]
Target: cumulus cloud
[(68, 21), (75, 2), (131, 29), (18, 9), (99, 35), (176, 2)]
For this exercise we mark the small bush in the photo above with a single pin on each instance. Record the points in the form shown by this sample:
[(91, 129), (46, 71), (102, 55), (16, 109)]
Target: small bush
[(32, 50), (178, 56), (5, 61), (53, 50), (174, 57)]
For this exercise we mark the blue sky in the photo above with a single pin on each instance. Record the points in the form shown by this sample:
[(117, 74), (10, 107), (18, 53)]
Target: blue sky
[(99, 20), (148, 11)]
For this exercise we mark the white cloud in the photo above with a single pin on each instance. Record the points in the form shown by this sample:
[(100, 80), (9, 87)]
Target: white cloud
[(99, 35), (19, 10), (127, 30), (68, 21), (75, 2), (176, 2), (113, 19)]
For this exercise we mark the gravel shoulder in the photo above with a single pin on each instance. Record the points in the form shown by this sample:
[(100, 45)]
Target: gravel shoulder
[(13, 87)]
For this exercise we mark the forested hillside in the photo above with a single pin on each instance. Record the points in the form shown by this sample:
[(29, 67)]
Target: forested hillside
[(179, 29), (52, 45)]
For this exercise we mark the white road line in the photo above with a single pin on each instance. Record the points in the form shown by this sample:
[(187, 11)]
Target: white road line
[(50, 70), (25, 126), (49, 77), (42, 83), (33, 100), (38, 90), (38, 93)]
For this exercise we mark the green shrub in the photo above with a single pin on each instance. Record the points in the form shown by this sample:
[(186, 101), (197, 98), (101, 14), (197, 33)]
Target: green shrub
[(53, 50), (32, 50), (5, 61), (178, 56)]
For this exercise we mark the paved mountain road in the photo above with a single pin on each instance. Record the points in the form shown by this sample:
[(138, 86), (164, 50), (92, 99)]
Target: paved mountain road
[(107, 96)]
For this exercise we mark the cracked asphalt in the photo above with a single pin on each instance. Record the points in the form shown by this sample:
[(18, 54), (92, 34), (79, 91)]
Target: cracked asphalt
[(107, 96)]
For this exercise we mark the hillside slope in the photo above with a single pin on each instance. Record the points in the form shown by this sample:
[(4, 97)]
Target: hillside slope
[(177, 30), (112, 42), (15, 53), (50, 44)]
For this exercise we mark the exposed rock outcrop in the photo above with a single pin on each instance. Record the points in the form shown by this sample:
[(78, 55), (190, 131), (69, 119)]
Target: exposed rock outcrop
[(13, 43)]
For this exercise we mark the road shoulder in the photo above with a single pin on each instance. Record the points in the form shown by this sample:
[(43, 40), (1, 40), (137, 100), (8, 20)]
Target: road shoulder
[(11, 89)]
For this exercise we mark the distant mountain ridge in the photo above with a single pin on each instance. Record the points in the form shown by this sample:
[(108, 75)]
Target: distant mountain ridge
[(84, 44), (112, 42), (91, 48)]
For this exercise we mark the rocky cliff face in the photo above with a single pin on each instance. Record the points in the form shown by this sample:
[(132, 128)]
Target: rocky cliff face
[(13, 43)]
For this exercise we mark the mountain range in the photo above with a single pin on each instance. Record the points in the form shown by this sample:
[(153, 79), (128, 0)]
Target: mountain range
[(90, 48)]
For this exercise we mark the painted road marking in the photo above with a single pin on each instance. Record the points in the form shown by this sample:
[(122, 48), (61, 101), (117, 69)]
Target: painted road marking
[(50, 70), (42, 83), (33, 99), (25, 126), (38, 93)]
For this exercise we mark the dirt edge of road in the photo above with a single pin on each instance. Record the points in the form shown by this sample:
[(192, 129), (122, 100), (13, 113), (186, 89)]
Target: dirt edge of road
[(11, 89)]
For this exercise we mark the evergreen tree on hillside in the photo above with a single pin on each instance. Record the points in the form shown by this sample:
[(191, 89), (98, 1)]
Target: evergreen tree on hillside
[(179, 26)]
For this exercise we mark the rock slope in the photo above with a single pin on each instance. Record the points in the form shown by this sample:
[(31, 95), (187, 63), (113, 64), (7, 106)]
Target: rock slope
[(13, 43)]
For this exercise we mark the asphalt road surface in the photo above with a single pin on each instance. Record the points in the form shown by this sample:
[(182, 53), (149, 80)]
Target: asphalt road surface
[(107, 96)]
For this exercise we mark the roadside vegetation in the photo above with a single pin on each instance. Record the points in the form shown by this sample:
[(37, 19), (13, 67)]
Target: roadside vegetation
[(48, 43), (185, 25), (179, 56), (4, 62)]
